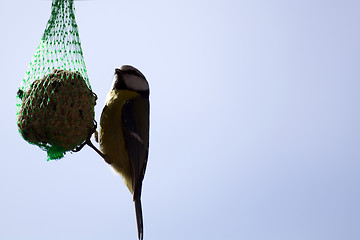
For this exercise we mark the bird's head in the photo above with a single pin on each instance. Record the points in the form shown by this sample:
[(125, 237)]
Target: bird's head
[(129, 78)]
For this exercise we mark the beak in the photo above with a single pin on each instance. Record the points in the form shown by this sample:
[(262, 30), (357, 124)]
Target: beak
[(117, 70)]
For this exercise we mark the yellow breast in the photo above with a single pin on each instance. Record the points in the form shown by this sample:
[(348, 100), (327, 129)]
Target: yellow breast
[(111, 137)]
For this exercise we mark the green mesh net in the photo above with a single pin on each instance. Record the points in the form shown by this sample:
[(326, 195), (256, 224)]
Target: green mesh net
[(55, 104)]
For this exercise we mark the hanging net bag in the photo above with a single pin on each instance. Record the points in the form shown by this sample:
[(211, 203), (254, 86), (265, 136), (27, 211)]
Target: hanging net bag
[(55, 104)]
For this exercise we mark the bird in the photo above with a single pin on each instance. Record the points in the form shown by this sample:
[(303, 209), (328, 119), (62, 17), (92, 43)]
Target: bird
[(123, 135)]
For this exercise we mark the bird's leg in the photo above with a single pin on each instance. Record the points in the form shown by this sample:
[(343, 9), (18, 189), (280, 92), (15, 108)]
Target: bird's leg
[(78, 148), (88, 142), (91, 131)]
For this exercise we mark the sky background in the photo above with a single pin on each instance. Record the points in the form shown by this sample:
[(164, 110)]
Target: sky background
[(255, 112)]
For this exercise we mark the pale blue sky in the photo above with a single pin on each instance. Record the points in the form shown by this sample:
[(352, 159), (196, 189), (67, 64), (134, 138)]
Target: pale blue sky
[(254, 122)]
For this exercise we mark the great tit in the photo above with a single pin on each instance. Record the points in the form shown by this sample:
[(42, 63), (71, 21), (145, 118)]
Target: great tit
[(123, 134)]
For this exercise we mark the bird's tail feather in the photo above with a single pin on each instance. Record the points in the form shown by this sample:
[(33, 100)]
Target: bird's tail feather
[(139, 218)]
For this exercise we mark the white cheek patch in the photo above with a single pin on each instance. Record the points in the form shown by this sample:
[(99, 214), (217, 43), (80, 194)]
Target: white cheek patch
[(136, 83), (113, 83)]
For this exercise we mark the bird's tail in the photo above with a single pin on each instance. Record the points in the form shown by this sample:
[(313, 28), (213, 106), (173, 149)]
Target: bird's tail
[(139, 218)]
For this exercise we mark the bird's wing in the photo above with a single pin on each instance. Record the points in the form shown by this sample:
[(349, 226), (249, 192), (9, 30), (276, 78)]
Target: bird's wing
[(135, 121)]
